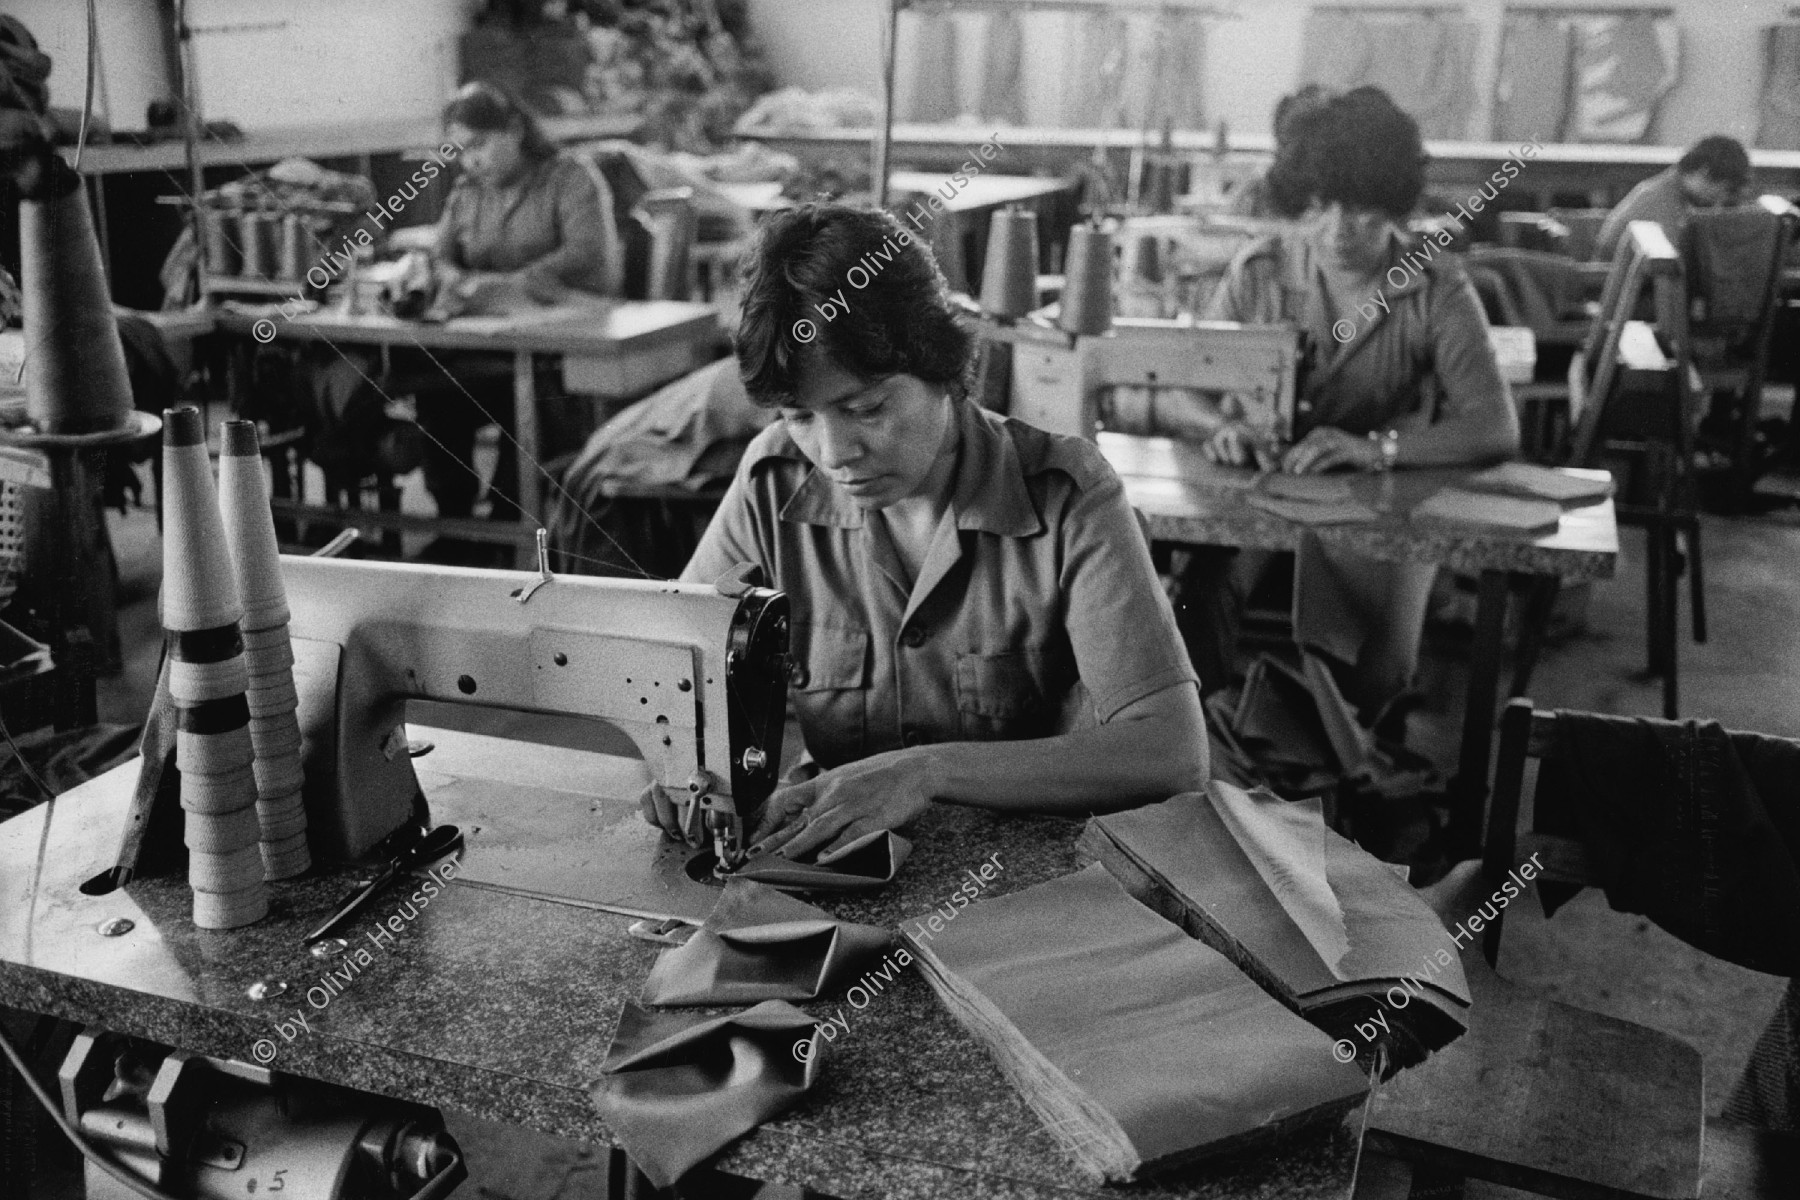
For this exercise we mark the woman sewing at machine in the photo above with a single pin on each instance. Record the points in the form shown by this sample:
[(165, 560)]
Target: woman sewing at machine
[(523, 225), (975, 616), (1398, 373)]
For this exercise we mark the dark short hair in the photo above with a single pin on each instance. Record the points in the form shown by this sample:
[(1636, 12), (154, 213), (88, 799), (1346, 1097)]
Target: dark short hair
[(1358, 149), (489, 108), (804, 261), (1295, 104), (1721, 157)]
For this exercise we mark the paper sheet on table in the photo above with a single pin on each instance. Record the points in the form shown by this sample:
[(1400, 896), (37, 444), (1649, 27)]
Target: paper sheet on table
[(759, 944), (1286, 843), (1489, 513), (1538, 482), (1309, 512)]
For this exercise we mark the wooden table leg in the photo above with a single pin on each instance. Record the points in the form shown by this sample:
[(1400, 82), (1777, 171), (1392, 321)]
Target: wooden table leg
[(1468, 791), (531, 492)]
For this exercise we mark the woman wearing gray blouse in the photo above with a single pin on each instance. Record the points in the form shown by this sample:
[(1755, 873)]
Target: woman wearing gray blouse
[(1398, 372)]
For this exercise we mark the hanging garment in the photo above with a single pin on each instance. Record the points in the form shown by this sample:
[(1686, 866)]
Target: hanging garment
[(1002, 85), (927, 85), (1424, 63), (1779, 126), (1623, 68), (1095, 77), (1531, 95)]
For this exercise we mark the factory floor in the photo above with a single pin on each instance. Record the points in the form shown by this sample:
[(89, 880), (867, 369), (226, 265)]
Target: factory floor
[(1747, 676)]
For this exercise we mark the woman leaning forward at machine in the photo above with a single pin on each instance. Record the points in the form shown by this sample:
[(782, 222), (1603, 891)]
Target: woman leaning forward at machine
[(975, 615)]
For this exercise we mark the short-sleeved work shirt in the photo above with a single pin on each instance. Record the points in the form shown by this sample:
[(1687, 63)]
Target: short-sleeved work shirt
[(1036, 609), (552, 220), (1417, 351)]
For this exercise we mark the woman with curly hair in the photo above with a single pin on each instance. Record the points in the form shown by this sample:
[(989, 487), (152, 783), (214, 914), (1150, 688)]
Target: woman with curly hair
[(1397, 371), (975, 615)]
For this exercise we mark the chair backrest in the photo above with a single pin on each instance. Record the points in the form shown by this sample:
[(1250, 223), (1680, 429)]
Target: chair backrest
[(1645, 261), (672, 221), (1733, 259), (1583, 230)]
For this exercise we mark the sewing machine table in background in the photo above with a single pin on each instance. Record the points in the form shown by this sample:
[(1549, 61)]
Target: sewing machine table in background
[(1190, 501), (614, 351)]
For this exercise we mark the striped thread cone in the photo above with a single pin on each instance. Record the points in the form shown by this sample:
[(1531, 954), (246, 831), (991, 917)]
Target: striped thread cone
[(270, 694), (208, 681)]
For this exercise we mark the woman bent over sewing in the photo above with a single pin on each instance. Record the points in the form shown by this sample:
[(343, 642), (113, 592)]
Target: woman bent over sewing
[(1398, 373), (975, 615)]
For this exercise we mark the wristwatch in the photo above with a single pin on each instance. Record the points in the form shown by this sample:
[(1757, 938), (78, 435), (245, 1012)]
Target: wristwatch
[(1388, 442)]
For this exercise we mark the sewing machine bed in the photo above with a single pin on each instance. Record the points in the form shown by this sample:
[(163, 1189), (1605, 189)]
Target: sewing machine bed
[(502, 1006), (565, 826)]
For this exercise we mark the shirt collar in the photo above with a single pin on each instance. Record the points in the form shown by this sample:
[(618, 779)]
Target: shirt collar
[(987, 492)]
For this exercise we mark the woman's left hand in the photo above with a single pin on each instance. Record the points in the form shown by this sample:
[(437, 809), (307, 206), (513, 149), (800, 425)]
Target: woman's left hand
[(885, 791), (1326, 449)]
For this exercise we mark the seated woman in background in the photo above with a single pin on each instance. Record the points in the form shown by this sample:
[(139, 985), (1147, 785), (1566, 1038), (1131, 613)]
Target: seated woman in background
[(523, 225), (975, 616), (1260, 198), (1397, 372)]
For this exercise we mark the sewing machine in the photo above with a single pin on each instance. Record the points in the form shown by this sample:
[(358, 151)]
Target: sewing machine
[(1059, 380), (694, 674)]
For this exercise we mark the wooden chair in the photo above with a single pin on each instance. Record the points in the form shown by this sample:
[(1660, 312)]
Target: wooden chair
[(1632, 403), (1733, 260), (1740, 1162)]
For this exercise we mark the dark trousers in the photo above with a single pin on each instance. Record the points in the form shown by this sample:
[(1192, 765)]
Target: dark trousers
[(455, 397)]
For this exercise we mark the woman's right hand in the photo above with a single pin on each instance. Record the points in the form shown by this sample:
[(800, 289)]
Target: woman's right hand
[(1235, 445)]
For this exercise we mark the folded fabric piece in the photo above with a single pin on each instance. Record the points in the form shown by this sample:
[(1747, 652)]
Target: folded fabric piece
[(676, 1087), (1532, 482), (1688, 824), (1488, 513), (761, 945), (870, 862), (1310, 512), (1315, 489), (1137, 1046), (1329, 931)]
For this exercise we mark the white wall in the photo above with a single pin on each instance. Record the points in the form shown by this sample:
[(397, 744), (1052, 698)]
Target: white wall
[(1254, 60), (266, 64)]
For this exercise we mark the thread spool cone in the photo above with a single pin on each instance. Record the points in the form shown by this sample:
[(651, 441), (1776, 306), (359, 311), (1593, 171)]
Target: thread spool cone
[(1009, 275), (249, 524), (1087, 300), (199, 588), (75, 380)]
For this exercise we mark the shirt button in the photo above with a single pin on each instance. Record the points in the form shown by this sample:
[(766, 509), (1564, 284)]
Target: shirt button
[(797, 675), (911, 736), (913, 638), (1304, 406)]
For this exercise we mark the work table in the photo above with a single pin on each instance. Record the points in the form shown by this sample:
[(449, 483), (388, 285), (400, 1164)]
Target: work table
[(503, 1006)]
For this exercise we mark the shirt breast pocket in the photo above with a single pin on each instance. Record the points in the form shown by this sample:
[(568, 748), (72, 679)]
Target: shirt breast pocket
[(830, 683), (1011, 694)]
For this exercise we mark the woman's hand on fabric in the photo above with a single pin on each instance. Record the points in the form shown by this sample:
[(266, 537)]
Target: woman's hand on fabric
[(885, 791), (1237, 445), (1328, 449)]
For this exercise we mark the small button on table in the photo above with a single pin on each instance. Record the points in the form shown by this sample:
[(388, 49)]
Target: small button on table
[(913, 638), (797, 675)]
